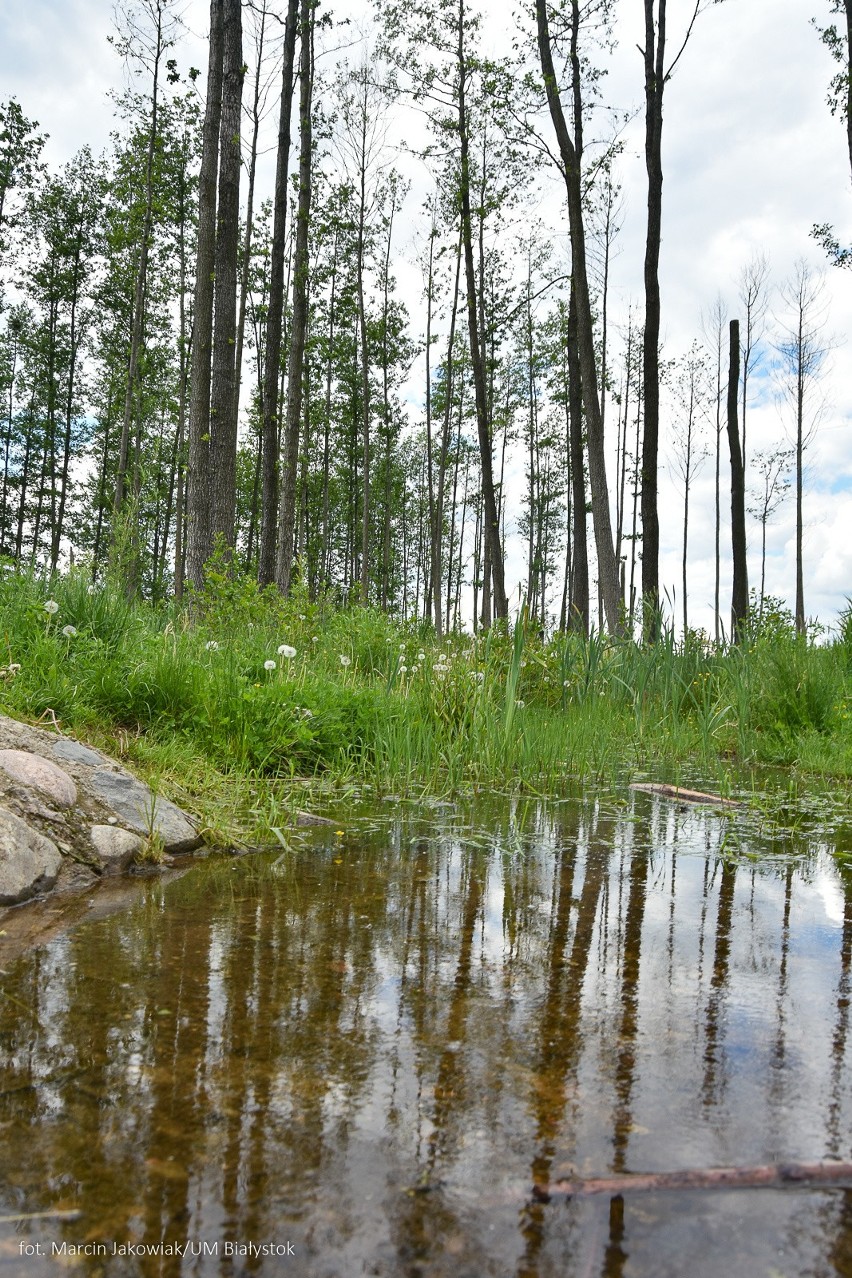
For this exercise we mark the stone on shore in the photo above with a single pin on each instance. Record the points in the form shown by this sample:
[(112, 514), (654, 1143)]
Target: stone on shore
[(71, 815), (116, 848), (29, 862), (40, 774)]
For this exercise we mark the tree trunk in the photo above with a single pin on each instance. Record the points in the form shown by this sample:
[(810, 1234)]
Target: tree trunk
[(249, 227), (199, 477), (491, 515), (571, 155), (739, 597), (298, 328), (578, 618), (655, 48), (274, 320), (139, 294), (223, 398)]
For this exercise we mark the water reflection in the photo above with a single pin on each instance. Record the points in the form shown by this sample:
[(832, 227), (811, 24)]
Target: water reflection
[(370, 1049)]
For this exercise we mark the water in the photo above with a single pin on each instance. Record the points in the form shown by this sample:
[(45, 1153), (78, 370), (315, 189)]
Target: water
[(366, 1050)]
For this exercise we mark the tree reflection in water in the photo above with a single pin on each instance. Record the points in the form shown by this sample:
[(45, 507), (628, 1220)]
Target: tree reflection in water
[(375, 1046)]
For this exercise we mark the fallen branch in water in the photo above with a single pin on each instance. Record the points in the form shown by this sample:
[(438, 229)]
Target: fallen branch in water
[(771, 1176), (680, 795)]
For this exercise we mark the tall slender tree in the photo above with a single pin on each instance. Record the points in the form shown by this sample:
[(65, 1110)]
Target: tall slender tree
[(571, 153), (199, 476), (299, 323), (739, 595), (275, 313), (224, 390), (657, 76), (803, 348)]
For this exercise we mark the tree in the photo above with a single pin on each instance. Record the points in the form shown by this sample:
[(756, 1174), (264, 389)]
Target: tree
[(657, 76), (753, 300), (571, 153), (224, 385), (148, 29), (435, 48), (198, 478), (802, 350), (772, 466), (739, 593), (713, 326), (298, 327), (274, 319), (693, 394), (361, 143)]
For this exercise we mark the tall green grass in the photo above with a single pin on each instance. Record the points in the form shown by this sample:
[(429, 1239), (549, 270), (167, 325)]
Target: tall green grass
[(210, 697)]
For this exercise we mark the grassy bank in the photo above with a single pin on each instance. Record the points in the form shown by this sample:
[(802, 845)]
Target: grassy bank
[(232, 708)]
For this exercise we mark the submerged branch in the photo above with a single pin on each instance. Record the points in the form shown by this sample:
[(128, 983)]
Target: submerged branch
[(770, 1176), (679, 795)]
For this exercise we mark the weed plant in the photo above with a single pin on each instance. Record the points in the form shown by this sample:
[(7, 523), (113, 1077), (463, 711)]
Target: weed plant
[(241, 690)]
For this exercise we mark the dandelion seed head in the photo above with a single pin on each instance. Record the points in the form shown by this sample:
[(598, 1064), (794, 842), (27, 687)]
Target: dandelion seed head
[(284, 650), (51, 607), (69, 632), (344, 660), (269, 665)]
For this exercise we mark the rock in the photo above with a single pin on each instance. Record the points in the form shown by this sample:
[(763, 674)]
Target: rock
[(89, 813), (143, 811), (39, 773), (76, 753), (29, 863), (115, 847)]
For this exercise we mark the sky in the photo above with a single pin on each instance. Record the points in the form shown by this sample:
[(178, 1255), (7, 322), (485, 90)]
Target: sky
[(752, 159)]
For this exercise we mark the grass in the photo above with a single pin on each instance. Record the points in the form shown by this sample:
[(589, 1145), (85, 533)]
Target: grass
[(213, 708)]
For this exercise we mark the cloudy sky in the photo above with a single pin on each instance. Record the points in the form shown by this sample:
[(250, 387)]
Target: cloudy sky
[(752, 158)]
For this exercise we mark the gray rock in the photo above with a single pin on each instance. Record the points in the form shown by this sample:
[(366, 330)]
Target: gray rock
[(137, 807), (115, 847), (40, 774), (29, 863), (76, 753)]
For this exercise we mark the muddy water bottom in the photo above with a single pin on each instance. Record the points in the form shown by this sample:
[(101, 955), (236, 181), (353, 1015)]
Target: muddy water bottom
[(359, 1055)]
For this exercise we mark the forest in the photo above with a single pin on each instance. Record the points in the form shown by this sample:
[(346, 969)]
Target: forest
[(197, 365)]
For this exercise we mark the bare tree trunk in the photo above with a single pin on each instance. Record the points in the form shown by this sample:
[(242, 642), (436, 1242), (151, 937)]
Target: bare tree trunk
[(249, 227), (739, 596), (223, 397), (655, 49), (139, 294), (199, 478), (449, 387), (274, 320), (491, 515), (571, 155), (578, 617), (298, 328)]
